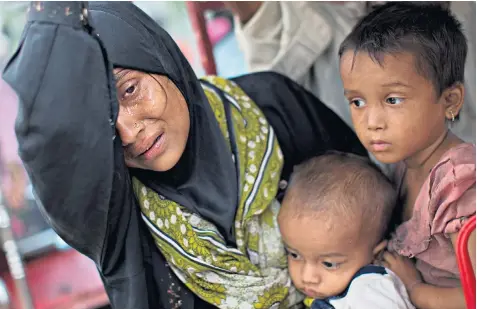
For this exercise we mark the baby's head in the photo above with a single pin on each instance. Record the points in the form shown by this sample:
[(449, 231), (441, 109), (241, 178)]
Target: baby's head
[(333, 220), (402, 69)]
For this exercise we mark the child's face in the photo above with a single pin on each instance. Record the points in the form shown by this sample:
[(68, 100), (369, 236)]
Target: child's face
[(395, 111), (323, 254)]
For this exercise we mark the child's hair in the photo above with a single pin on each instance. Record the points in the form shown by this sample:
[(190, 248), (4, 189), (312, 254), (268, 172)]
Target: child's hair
[(346, 186), (427, 30)]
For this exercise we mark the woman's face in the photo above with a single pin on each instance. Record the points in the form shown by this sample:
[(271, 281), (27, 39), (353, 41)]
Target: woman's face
[(153, 120)]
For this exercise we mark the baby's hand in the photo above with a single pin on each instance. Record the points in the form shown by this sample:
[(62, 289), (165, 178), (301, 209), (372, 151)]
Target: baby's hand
[(403, 267)]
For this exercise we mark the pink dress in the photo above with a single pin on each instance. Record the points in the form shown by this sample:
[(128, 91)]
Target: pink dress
[(446, 200)]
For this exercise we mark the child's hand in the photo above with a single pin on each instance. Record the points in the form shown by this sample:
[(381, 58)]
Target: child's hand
[(403, 267)]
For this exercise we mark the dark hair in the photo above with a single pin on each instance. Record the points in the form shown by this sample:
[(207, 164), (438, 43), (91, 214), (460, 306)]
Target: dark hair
[(345, 185), (427, 30)]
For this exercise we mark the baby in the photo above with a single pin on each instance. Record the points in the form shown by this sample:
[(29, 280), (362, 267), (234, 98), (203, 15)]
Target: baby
[(333, 220), (402, 68)]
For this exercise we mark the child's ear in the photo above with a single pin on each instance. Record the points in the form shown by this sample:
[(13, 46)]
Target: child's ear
[(380, 247), (453, 99)]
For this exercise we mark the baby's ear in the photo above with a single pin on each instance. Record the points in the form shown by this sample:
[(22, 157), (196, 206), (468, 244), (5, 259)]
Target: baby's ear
[(380, 247)]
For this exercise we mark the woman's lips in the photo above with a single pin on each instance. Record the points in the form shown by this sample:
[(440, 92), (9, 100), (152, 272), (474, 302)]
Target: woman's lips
[(156, 149)]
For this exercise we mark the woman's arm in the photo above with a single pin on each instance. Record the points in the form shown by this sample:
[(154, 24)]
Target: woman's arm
[(65, 130)]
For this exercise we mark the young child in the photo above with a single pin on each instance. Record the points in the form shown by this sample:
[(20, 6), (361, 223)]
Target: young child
[(333, 220), (402, 68)]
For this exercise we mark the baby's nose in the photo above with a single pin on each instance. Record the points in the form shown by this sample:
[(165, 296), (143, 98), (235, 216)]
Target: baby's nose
[(310, 275)]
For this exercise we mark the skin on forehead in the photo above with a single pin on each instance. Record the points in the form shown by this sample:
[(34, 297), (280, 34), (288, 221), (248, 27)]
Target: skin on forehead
[(401, 68), (319, 236), (341, 229), (298, 205)]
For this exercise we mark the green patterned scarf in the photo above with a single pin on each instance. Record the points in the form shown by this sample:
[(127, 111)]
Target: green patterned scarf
[(254, 274)]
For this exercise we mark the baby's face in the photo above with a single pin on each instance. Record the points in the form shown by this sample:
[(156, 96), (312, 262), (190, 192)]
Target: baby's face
[(323, 253)]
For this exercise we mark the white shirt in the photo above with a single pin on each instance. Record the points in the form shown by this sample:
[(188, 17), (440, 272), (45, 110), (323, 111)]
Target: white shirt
[(373, 287)]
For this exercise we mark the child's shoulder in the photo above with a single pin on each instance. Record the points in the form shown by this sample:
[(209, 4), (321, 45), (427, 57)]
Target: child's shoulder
[(452, 188), (460, 154), (375, 287), (460, 159), (456, 167)]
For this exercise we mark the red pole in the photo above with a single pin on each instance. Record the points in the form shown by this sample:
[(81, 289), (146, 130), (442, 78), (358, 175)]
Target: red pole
[(197, 19), (467, 275)]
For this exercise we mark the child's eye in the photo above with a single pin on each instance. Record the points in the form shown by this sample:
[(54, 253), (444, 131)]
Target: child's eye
[(357, 102), (331, 265), (394, 100)]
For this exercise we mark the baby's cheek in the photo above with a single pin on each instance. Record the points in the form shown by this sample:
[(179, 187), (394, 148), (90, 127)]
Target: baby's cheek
[(294, 271)]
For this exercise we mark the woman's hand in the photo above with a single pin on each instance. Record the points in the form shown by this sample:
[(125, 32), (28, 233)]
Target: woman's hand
[(403, 267)]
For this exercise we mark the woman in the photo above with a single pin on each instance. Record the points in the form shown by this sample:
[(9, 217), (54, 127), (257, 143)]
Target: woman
[(129, 152)]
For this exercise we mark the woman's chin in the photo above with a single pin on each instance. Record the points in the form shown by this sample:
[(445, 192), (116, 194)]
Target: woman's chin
[(162, 162)]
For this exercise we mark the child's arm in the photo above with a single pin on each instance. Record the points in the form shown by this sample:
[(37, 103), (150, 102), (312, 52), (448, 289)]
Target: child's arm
[(422, 295), (426, 296), (470, 246)]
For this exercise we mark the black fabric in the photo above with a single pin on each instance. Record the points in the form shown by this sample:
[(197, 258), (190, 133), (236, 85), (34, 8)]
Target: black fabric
[(304, 126), (65, 128), (134, 40)]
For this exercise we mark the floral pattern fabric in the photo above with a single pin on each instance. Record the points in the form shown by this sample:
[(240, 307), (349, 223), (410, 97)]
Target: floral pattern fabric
[(254, 273)]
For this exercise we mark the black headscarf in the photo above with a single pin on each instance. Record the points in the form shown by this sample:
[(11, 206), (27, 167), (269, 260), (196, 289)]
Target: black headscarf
[(134, 41)]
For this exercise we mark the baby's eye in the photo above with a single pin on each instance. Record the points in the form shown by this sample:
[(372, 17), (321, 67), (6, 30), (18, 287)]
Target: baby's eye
[(394, 100), (357, 102), (331, 265), (293, 255)]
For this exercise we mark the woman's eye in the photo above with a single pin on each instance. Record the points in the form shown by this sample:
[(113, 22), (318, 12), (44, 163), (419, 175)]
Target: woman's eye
[(394, 101), (130, 89), (357, 102), (331, 265)]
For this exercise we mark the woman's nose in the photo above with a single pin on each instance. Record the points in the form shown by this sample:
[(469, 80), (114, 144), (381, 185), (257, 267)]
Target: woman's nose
[(127, 127)]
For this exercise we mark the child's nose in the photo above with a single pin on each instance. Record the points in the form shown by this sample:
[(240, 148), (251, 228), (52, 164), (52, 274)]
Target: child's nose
[(310, 274), (375, 117)]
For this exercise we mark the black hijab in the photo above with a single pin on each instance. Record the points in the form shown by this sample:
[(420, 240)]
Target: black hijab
[(134, 41)]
